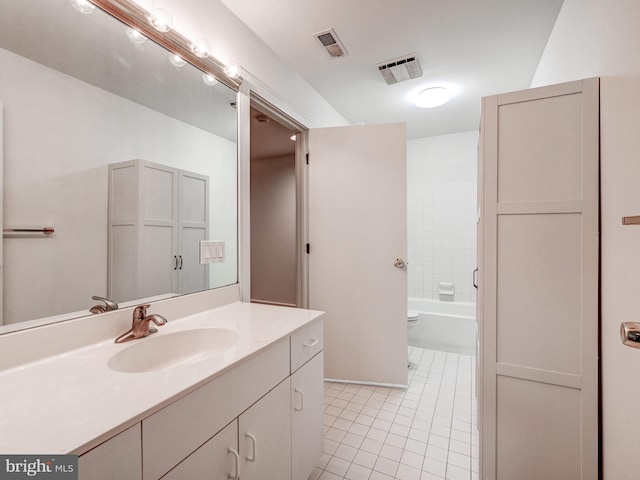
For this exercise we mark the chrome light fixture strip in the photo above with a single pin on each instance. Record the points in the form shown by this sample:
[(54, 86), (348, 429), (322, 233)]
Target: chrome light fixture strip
[(137, 17)]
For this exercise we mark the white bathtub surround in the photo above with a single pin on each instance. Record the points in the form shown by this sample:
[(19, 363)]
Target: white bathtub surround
[(446, 291), (71, 401), (442, 212), (445, 326)]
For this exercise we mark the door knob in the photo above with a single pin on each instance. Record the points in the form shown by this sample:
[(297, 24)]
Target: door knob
[(630, 334), (398, 263)]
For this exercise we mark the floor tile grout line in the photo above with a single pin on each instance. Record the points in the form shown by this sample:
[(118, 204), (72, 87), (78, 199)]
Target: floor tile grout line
[(442, 370)]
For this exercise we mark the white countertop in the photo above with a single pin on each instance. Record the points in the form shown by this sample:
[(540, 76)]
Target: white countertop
[(72, 402)]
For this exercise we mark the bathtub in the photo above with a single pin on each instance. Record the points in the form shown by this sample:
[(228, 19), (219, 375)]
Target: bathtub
[(445, 326)]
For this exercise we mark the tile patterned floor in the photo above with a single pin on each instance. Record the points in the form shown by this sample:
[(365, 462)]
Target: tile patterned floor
[(424, 432)]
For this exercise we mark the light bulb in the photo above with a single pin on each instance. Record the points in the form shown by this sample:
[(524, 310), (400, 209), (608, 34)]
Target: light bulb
[(209, 79), (292, 138), (135, 36), (176, 60), (83, 6), (161, 20), (201, 48), (232, 70), (432, 97)]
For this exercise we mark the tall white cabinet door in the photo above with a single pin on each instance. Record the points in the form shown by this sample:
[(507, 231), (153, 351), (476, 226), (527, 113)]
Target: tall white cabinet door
[(157, 217), (194, 227), (265, 436), (307, 427), (357, 230), (158, 246), (1, 216), (539, 284)]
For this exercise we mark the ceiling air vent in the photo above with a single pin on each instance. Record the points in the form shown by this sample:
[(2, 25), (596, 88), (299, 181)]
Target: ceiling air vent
[(331, 43), (400, 69)]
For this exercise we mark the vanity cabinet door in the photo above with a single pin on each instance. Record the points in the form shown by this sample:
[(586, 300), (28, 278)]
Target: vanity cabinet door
[(307, 394), (173, 433), (214, 460), (118, 457), (265, 437)]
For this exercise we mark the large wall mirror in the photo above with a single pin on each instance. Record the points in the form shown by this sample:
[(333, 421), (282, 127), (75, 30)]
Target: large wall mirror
[(82, 96)]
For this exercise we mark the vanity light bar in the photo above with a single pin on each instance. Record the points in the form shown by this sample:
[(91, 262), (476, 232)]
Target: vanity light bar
[(137, 17)]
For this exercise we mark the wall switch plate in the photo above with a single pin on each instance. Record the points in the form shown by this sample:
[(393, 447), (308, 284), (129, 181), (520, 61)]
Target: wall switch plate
[(211, 251)]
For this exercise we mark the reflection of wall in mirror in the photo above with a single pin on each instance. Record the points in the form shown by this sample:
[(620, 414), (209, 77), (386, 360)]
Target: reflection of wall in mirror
[(60, 135)]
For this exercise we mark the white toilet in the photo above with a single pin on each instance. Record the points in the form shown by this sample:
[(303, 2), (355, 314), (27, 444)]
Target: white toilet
[(413, 319)]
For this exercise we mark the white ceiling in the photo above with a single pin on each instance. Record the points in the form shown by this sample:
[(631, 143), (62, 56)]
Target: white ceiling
[(478, 47)]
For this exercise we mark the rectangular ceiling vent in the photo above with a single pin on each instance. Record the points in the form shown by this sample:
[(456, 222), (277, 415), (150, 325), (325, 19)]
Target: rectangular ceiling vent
[(400, 69), (331, 43)]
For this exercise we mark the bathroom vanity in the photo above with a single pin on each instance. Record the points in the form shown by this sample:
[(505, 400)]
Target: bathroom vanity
[(245, 402)]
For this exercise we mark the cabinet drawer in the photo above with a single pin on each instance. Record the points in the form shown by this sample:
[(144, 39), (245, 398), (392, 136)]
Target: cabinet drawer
[(170, 435), (305, 344)]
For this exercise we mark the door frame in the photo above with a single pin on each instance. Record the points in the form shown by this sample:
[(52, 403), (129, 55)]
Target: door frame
[(252, 95)]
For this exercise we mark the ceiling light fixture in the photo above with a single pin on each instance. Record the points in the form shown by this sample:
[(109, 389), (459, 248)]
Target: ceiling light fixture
[(201, 48), (176, 60), (209, 79), (293, 137), (83, 6), (135, 36), (432, 97), (161, 20)]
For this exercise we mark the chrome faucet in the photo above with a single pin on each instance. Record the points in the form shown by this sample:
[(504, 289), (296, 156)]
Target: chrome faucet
[(140, 327), (108, 306)]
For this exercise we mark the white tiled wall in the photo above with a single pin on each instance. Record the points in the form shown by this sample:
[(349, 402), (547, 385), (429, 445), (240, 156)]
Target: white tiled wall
[(442, 214)]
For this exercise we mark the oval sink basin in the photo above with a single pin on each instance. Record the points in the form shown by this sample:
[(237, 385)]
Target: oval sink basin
[(161, 352)]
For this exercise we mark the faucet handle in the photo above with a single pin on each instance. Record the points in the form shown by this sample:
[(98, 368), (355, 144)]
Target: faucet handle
[(140, 326), (140, 311), (108, 306)]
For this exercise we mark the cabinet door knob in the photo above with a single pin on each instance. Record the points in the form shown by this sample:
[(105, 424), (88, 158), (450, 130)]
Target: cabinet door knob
[(301, 393), (236, 461), (252, 457), (311, 343)]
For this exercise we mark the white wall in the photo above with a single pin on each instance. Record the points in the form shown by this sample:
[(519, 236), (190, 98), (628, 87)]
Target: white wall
[(596, 38), (273, 229), (72, 131), (441, 214)]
